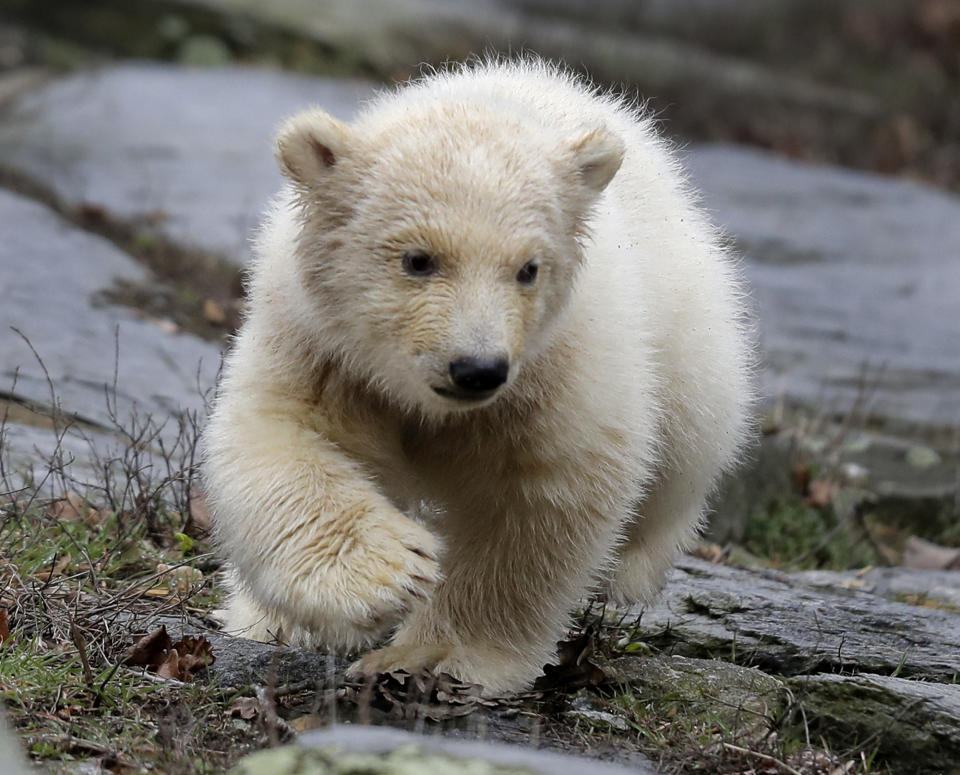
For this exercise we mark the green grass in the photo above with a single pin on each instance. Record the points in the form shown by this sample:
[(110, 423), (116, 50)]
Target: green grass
[(788, 532), (69, 578)]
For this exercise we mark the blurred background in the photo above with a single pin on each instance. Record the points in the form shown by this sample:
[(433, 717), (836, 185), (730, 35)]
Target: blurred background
[(823, 134)]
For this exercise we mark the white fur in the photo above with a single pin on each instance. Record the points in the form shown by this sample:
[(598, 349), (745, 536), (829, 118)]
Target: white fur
[(350, 498)]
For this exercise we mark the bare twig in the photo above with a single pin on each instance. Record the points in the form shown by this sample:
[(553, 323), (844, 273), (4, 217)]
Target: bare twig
[(763, 757)]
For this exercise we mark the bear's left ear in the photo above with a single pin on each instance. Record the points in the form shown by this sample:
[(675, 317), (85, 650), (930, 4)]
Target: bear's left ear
[(310, 145), (597, 154)]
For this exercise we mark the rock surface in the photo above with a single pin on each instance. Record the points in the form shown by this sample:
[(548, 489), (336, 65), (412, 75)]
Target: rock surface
[(914, 726), (11, 760), (938, 587), (186, 150), (53, 273), (851, 299), (769, 620), (735, 696), (29, 452)]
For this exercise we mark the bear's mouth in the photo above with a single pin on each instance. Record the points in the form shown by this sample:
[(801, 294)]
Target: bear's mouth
[(467, 396)]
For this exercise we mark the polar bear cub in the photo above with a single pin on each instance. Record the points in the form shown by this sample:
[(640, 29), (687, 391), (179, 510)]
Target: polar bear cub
[(494, 361)]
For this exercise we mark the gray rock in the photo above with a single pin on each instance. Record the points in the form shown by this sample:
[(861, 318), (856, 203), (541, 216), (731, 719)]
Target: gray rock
[(850, 300), (379, 741), (30, 453), (922, 457), (242, 662), (762, 478), (186, 149), (393, 36), (937, 586), (736, 697), (599, 718), (52, 273), (12, 761), (768, 620), (914, 726)]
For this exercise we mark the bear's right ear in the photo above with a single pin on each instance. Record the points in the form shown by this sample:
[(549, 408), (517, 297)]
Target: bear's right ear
[(309, 145)]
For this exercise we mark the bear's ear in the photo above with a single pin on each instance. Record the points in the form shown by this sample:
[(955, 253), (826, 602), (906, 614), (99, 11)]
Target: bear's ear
[(309, 145), (597, 154)]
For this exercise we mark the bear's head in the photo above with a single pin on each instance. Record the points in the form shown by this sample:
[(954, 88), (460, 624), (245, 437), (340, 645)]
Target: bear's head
[(440, 243)]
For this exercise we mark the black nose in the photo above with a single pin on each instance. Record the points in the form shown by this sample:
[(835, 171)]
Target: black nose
[(478, 375)]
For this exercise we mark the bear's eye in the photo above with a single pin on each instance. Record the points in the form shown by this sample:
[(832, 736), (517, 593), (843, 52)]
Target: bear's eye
[(528, 273), (419, 264)]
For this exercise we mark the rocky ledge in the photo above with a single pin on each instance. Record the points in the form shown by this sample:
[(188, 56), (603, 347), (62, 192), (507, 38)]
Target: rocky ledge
[(731, 653)]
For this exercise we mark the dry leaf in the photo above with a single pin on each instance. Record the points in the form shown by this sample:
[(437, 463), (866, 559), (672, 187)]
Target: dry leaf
[(213, 313), (201, 521), (150, 650), (573, 670), (940, 18), (180, 661), (179, 578), (244, 707), (800, 477), (821, 492), (711, 552), (170, 667), (421, 695), (303, 723), (69, 507), (62, 563), (195, 654), (926, 555), (4, 626)]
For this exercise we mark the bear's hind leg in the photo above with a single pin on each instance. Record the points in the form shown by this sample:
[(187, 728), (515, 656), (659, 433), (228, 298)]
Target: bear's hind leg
[(666, 523)]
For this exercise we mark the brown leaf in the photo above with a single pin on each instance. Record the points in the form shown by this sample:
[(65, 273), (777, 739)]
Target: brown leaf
[(304, 723), (821, 492), (91, 215), (62, 563), (711, 552), (247, 708), (181, 660), (213, 312), (573, 670), (201, 521), (940, 18), (800, 477), (170, 667), (150, 650), (421, 695), (926, 555), (195, 654), (69, 508), (4, 626)]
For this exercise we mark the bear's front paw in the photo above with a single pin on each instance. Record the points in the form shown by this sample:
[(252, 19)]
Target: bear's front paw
[(411, 658), (394, 567), (497, 671)]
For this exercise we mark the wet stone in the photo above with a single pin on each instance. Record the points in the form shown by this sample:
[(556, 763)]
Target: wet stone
[(187, 150), (775, 622), (915, 726), (933, 588), (854, 278), (60, 347)]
